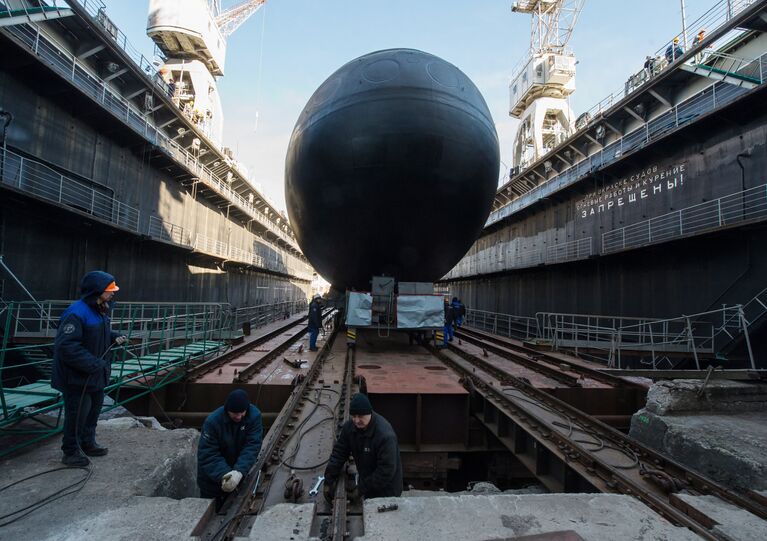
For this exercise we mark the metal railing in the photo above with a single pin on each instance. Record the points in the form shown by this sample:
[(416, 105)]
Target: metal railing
[(42, 181), (747, 206), (282, 261), (39, 180), (519, 327), (263, 314), (749, 69), (654, 339), (683, 113), (716, 16), (510, 256), (167, 231), (41, 319), (78, 73), (714, 96)]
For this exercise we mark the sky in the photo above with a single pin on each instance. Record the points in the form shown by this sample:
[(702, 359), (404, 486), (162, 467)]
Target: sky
[(278, 58)]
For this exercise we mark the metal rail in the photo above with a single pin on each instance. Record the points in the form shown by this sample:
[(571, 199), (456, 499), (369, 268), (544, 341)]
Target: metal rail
[(200, 370), (252, 498), (544, 369), (507, 347), (585, 448)]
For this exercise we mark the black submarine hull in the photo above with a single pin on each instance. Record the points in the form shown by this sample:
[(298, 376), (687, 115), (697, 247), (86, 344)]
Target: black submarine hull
[(391, 169)]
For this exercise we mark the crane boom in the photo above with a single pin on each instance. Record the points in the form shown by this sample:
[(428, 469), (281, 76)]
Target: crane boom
[(231, 19)]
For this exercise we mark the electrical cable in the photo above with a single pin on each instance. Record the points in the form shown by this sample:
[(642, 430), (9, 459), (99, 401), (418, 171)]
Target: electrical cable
[(62, 492), (575, 426)]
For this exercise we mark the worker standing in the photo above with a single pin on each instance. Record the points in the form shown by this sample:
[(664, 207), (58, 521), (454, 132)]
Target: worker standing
[(315, 321), (449, 320), (458, 311), (229, 445), (371, 440), (82, 366), (674, 51)]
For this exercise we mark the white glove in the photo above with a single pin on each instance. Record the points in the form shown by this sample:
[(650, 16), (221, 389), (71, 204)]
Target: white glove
[(120, 340), (230, 481)]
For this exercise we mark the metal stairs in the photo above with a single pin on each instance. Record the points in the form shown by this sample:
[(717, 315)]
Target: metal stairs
[(742, 72)]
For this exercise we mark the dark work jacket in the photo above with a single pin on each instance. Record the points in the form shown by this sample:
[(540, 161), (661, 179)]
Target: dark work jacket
[(376, 454), (315, 315), (449, 315), (84, 334), (225, 446)]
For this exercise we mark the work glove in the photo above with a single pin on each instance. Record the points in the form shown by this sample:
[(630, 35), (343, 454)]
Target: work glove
[(230, 481), (329, 491), (120, 340)]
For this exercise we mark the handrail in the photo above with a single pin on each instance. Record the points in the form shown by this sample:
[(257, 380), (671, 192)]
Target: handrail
[(713, 19), (67, 65), (512, 256), (745, 206), (39, 180), (520, 327)]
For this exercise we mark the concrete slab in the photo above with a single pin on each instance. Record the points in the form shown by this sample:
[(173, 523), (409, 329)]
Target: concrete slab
[(690, 395), (734, 523), (287, 522), (140, 490), (483, 518), (727, 448)]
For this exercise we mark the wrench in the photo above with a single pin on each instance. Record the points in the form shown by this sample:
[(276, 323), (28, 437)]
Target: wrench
[(316, 488)]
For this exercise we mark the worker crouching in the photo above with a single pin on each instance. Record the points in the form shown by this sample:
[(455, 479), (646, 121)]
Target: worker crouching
[(229, 445), (371, 440)]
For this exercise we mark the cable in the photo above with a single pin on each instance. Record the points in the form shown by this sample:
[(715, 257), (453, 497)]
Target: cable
[(600, 443), (62, 492), (302, 433)]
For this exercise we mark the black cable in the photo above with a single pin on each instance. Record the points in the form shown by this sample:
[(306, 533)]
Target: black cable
[(62, 492)]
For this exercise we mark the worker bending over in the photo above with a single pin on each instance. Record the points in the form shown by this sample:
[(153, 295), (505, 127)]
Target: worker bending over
[(229, 445), (371, 440)]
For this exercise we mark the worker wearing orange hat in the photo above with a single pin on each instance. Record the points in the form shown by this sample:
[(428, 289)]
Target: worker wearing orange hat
[(82, 365)]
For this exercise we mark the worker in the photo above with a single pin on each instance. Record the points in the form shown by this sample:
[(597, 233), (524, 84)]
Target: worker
[(229, 445), (449, 320), (315, 321), (458, 311), (674, 51), (697, 41), (82, 365), (371, 440), (699, 38)]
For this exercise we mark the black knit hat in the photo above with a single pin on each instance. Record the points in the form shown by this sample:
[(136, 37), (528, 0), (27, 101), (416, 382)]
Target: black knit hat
[(237, 401), (360, 405)]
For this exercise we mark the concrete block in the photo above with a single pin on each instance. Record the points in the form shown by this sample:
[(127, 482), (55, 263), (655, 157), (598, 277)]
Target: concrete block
[(481, 518), (287, 522), (681, 395), (119, 423), (727, 448), (147, 519), (734, 523)]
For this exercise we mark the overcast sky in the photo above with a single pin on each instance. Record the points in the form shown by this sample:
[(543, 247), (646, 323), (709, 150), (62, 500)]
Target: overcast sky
[(279, 57)]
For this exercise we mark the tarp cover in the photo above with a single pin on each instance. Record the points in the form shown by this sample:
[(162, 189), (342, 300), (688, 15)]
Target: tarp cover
[(420, 312), (359, 312)]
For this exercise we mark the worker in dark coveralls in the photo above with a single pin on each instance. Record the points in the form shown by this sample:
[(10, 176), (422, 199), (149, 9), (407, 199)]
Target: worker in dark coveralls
[(449, 320), (371, 440), (229, 445), (315, 321), (82, 365)]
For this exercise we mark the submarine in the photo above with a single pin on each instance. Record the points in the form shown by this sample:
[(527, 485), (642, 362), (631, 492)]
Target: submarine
[(391, 169)]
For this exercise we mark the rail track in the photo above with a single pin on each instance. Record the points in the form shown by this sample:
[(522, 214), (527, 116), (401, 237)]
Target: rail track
[(294, 453), (556, 366), (565, 448), (572, 451)]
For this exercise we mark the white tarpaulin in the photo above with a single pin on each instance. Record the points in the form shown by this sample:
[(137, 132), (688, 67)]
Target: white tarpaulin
[(420, 311), (359, 309)]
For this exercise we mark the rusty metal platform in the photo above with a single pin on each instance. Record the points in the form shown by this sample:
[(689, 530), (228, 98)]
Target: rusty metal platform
[(421, 398)]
